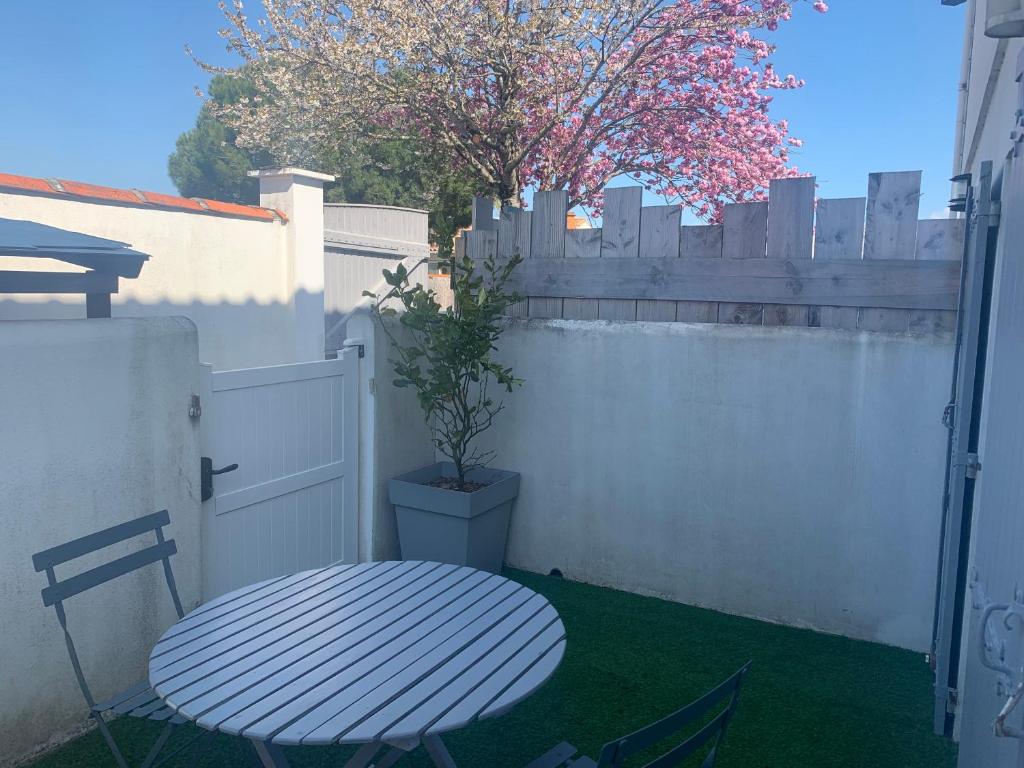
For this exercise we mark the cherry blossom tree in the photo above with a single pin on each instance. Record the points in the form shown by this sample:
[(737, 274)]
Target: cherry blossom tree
[(550, 94)]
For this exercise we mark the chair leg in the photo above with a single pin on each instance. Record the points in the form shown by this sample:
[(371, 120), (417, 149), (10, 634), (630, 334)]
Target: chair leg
[(158, 745), (109, 738)]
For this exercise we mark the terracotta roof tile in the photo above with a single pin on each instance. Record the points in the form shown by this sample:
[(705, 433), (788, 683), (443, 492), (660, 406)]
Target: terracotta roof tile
[(238, 210), (64, 188), (81, 189), (171, 201), (25, 182)]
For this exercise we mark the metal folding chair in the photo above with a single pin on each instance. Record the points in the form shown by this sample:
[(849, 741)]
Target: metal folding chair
[(615, 753), (139, 700)]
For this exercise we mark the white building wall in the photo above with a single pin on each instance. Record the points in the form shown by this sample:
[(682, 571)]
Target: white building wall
[(99, 433), (787, 474), (228, 275), (987, 123)]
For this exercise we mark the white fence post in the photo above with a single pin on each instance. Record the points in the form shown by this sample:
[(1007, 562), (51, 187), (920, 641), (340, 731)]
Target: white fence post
[(361, 340)]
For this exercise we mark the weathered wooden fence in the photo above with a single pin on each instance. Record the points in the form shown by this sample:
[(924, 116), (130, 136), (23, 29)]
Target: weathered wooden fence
[(851, 263)]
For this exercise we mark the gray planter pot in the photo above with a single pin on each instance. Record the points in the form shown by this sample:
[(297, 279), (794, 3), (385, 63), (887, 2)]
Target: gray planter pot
[(451, 526)]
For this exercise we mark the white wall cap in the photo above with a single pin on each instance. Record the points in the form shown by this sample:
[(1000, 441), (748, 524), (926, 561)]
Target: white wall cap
[(266, 173)]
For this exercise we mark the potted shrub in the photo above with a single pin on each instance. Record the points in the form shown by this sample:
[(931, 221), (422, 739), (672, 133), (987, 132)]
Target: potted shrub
[(454, 511)]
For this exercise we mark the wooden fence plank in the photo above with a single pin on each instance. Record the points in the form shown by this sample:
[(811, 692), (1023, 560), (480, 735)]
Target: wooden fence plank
[(838, 234), (840, 282), (620, 239), (547, 242), (940, 239), (937, 240), (513, 238), (839, 228), (744, 236), (483, 214), (790, 236), (659, 238), (699, 242), (890, 232), (481, 243), (581, 244)]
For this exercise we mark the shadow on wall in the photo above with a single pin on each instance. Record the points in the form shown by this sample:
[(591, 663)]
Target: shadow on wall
[(231, 334)]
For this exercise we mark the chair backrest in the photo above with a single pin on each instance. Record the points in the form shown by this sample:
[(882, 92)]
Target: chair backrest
[(56, 592), (615, 753)]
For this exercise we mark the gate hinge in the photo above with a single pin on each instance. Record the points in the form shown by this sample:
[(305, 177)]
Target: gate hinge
[(949, 416), (973, 466), (195, 410), (952, 700)]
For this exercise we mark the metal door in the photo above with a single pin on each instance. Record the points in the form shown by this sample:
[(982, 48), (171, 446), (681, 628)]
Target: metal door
[(962, 418), (993, 677)]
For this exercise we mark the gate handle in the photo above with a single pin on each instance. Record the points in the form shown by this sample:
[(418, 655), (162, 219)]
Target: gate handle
[(984, 646), (206, 473)]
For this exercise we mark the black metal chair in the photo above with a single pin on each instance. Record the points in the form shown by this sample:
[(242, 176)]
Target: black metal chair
[(615, 753), (139, 700)]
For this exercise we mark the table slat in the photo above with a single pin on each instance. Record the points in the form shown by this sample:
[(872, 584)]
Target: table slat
[(490, 689), (458, 678), (368, 690), (319, 686), (234, 613), (351, 637), (312, 605), (535, 677), (227, 675)]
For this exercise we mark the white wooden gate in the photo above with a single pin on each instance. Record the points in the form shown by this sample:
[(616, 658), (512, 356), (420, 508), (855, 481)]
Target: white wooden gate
[(292, 502)]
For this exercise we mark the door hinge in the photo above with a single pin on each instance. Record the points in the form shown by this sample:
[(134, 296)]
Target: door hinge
[(973, 466), (195, 410)]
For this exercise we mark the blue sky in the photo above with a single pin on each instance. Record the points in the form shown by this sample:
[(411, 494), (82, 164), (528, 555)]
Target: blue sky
[(98, 90)]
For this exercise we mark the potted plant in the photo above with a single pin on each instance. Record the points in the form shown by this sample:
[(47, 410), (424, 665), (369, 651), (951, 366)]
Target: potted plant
[(454, 511)]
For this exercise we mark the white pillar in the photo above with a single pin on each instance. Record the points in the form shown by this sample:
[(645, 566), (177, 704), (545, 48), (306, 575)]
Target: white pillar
[(299, 194)]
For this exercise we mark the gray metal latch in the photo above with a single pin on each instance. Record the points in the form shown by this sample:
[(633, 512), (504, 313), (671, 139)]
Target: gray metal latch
[(973, 465)]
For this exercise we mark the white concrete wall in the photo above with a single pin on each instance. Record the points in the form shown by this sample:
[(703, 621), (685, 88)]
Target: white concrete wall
[(95, 431), (787, 474), (229, 276), (989, 127)]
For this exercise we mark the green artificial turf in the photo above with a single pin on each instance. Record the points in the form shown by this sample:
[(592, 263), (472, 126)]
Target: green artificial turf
[(810, 700)]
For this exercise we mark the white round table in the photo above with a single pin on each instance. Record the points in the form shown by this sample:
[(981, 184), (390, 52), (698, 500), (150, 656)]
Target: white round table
[(388, 655)]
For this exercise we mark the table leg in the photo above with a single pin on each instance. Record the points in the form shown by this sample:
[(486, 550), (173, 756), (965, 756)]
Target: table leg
[(392, 756), (364, 756), (438, 752), (271, 755)]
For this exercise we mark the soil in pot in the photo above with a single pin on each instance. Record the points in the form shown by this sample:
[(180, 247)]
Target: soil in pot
[(452, 484)]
